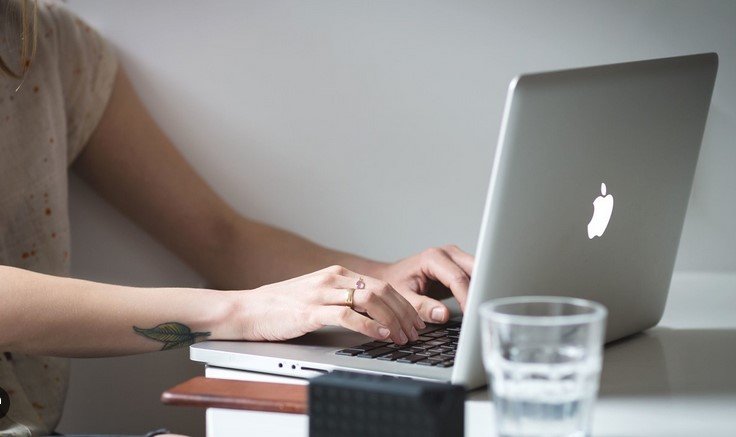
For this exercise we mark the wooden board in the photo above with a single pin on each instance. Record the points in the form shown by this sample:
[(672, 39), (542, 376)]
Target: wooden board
[(241, 395)]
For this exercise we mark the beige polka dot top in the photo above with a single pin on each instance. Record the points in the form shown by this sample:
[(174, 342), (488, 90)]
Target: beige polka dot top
[(43, 126)]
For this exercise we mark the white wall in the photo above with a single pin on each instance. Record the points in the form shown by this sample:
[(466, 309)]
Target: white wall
[(366, 125)]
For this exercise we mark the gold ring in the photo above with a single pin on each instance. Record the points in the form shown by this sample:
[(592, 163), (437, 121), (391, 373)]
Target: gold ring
[(349, 298)]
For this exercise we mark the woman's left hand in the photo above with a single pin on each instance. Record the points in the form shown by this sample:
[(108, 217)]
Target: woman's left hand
[(412, 277)]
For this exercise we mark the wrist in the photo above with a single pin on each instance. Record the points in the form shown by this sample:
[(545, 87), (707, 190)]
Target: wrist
[(224, 315), (364, 266), (377, 269)]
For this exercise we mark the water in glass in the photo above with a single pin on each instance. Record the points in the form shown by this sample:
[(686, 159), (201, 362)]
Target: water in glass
[(552, 398)]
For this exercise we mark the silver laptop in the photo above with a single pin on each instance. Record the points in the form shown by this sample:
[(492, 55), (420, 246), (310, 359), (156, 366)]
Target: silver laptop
[(587, 198)]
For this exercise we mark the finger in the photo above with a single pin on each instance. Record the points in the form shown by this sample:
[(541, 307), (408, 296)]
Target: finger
[(404, 312), (370, 301), (440, 267), (408, 316), (431, 310), (465, 260), (341, 278), (376, 305), (343, 316)]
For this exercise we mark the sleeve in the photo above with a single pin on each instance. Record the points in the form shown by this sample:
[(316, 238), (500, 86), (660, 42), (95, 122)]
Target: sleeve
[(87, 70)]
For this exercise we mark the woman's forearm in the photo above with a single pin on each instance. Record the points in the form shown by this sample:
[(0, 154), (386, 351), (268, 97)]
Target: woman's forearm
[(255, 254), (49, 315), (133, 165)]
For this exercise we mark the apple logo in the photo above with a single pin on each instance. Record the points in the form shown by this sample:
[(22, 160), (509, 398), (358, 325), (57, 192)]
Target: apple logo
[(602, 210)]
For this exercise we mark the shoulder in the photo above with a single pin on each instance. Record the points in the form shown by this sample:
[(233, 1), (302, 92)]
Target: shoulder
[(65, 32), (73, 57)]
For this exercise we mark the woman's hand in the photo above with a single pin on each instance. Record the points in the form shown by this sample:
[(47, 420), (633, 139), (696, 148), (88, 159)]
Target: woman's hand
[(300, 305), (412, 277)]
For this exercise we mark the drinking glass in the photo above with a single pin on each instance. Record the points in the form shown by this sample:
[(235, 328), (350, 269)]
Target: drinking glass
[(543, 355)]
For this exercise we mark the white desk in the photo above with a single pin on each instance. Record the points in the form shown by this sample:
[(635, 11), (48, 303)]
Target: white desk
[(678, 379)]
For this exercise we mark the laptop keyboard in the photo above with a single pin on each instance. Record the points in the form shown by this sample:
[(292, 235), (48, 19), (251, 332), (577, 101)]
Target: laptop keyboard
[(436, 347)]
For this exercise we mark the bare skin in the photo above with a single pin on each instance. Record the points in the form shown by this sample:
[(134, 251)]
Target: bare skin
[(280, 285)]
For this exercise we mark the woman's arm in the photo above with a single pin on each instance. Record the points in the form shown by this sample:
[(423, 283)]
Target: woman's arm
[(132, 163), (134, 166), (48, 315)]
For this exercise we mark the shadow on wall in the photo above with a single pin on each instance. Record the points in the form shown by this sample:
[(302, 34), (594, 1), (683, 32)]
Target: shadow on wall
[(98, 402), (121, 394)]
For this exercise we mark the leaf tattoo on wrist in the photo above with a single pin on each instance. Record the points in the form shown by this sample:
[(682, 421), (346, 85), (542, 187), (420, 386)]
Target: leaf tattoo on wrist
[(171, 334)]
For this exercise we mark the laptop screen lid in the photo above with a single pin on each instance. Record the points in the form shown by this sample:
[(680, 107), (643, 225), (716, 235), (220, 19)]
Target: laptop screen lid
[(588, 192)]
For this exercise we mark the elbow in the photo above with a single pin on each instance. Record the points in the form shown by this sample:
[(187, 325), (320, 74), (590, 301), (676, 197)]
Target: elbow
[(8, 335), (8, 332), (10, 314)]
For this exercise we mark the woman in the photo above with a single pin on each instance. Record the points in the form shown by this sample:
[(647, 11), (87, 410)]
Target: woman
[(64, 102)]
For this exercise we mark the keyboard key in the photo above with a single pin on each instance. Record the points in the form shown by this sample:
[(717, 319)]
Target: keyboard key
[(430, 327), (436, 346), (434, 343), (393, 356), (438, 333), (413, 349), (349, 352), (371, 345), (413, 343), (410, 359), (373, 353)]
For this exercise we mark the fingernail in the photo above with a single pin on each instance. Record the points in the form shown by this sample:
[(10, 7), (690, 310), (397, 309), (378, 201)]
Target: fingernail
[(413, 334), (421, 324), (383, 332), (438, 314), (402, 337)]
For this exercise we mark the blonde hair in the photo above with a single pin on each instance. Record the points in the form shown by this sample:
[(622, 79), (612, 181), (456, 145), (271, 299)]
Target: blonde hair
[(28, 39)]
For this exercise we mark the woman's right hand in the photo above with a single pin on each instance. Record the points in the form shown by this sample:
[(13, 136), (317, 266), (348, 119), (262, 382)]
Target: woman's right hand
[(300, 305)]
